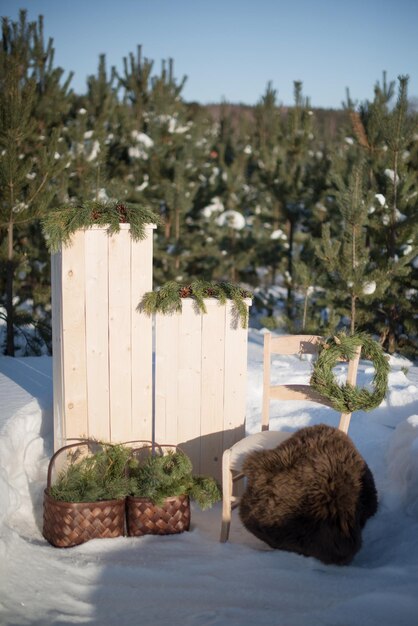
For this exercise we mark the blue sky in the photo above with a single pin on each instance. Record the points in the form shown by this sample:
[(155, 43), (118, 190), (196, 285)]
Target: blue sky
[(230, 49)]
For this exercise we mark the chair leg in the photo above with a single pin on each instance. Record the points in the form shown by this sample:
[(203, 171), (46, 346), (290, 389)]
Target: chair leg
[(344, 422), (226, 496), (226, 524)]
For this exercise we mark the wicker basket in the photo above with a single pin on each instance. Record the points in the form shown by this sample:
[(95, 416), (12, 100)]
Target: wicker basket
[(145, 518), (69, 524)]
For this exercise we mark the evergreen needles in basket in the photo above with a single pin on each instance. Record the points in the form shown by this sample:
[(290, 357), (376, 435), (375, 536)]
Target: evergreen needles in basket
[(88, 499), (164, 476), (99, 476)]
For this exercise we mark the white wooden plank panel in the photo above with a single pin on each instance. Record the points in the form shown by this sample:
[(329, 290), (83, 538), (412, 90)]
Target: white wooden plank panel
[(297, 392), (74, 338), (142, 329), (97, 332), (57, 350), (190, 381), (120, 370), (166, 378), (213, 363), (235, 392)]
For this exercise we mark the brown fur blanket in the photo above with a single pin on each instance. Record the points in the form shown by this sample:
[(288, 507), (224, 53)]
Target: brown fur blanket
[(311, 495)]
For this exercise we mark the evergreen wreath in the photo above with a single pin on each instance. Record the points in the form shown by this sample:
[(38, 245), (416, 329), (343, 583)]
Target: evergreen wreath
[(346, 398), (61, 223), (168, 298)]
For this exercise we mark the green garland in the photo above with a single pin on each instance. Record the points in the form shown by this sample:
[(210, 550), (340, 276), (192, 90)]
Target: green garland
[(346, 398), (60, 223), (168, 299)]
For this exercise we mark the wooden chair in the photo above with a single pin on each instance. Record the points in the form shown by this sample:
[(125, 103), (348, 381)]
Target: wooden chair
[(233, 458)]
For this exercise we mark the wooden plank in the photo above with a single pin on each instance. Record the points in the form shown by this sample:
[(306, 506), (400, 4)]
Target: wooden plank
[(142, 329), (296, 344), (189, 382), (235, 391), (297, 392), (166, 378), (120, 369), (213, 366), (74, 338), (97, 330), (265, 410), (57, 356)]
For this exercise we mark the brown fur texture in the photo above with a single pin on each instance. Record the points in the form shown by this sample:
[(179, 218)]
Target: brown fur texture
[(311, 495)]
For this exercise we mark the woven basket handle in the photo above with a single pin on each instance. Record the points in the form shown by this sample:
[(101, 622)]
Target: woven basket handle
[(151, 446), (147, 442), (81, 442), (156, 446)]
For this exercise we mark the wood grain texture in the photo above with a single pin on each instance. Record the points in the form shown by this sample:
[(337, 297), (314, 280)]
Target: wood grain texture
[(57, 360), (166, 378), (235, 385), (97, 332), (142, 331), (102, 345), (190, 382), (120, 339), (213, 387)]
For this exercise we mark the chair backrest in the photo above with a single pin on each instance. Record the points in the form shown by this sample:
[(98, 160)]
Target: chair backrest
[(298, 345)]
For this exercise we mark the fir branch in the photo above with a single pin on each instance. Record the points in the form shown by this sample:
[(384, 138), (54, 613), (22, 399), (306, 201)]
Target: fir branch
[(60, 224), (205, 491), (99, 476), (168, 298), (164, 476)]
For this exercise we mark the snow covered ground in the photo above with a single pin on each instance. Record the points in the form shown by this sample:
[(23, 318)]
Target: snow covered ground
[(192, 579)]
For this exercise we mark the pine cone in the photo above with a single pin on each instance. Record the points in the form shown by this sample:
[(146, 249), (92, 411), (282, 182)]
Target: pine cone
[(185, 292), (123, 216)]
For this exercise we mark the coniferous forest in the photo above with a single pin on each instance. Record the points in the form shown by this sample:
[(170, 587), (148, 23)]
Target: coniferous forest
[(314, 211)]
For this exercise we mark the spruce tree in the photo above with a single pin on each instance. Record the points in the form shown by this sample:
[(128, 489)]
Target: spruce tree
[(165, 155), (227, 201), (387, 205), (94, 136), (229, 182), (347, 268), (32, 104), (136, 84), (268, 220), (290, 173), (394, 225)]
